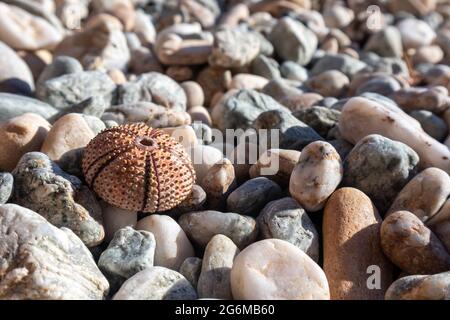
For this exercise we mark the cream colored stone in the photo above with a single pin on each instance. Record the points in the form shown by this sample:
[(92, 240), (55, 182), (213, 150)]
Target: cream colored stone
[(276, 269), (203, 157), (115, 219), (185, 135), (172, 244), (247, 81)]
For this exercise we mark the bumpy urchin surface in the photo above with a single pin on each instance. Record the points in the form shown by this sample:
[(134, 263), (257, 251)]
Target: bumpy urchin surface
[(138, 168)]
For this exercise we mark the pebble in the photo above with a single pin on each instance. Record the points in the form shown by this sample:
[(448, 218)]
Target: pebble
[(60, 66), (317, 174), (428, 54), (265, 67), (218, 182), (6, 186), (129, 252), (12, 105), (321, 119), (200, 114), (341, 62), (234, 48), (415, 33), (213, 80), (15, 75), (253, 195), (380, 167), (412, 246), (194, 202), (190, 269), (293, 134), (214, 280), (293, 71), (41, 185), (361, 117), (269, 269), (285, 219), (337, 16), (20, 135), (424, 195), (172, 244), (22, 30), (293, 41), (440, 224), (434, 99), (276, 165), (115, 219), (329, 83), (387, 42), (247, 81), (63, 268), (203, 158), (431, 124), (156, 283), (419, 287), (239, 108), (69, 89), (194, 94), (351, 237), (202, 226), (70, 132)]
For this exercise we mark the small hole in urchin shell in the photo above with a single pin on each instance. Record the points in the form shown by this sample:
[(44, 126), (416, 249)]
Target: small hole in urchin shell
[(146, 142)]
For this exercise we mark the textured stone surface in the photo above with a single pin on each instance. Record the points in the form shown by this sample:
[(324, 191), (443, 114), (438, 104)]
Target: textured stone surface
[(129, 252), (269, 269), (412, 246), (431, 124), (201, 226), (293, 41), (316, 175), (387, 42), (12, 105), (62, 199), (330, 83), (341, 62), (319, 118), (419, 287), (6, 186), (380, 167), (253, 195), (40, 261), (60, 66), (156, 283), (351, 241), (285, 219), (214, 280), (64, 91), (20, 135), (190, 269)]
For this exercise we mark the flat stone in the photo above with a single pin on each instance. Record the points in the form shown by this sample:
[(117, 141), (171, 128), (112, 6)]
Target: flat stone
[(156, 283), (12, 105), (201, 226), (269, 269), (62, 199), (41, 262)]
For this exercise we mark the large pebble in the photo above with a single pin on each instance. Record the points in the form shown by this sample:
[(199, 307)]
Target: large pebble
[(412, 246), (387, 42), (172, 244), (20, 135), (129, 252), (274, 269), (60, 66), (341, 62), (70, 132), (203, 159), (156, 283), (317, 174), (361, 117), (420, 287), (62, 199), (42, 262), (201, 226), (15, 75), (380, 167), (329, 83), (12, 105), (351, 240), (218, 183), (424, 195), (293, 41), (253, 195), (415, 33), (115, 219), (285, 219), (190, 269), (214, 280)]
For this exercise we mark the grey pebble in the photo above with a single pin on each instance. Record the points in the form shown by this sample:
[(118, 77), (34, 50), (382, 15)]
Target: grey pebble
[(6, 186)]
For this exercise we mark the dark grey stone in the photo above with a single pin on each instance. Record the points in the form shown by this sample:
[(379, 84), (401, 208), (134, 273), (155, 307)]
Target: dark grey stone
[(321, 119)]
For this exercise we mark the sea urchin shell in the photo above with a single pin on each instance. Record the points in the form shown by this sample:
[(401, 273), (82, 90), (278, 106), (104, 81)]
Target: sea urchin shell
[(138, 168)]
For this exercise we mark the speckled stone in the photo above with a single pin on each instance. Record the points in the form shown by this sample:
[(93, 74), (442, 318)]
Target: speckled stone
[(380, 167), (201, 226), (319, 118), (253, 195), (190, 269), (62, 199), (64, 91), (6, 186), (129, 252), (285, 219), (412, 246), (156, 283), (214, 280), (293, 41), (421, 287), (40, 261)]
